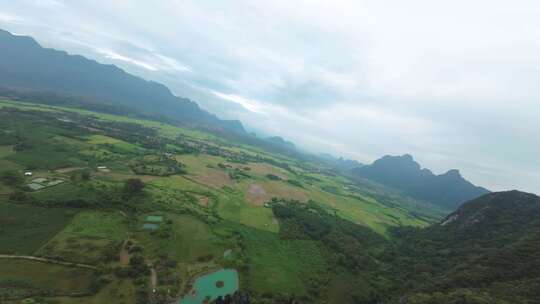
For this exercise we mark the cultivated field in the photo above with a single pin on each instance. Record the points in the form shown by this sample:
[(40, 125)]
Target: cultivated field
[(215, 198)]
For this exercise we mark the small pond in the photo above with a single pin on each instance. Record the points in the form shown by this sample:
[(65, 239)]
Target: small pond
[(150, 226), (212, 285)]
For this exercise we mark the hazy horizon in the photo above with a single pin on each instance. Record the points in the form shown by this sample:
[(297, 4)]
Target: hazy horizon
[(453, 84)]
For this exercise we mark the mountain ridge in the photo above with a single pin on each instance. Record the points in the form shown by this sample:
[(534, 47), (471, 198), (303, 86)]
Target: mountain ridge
[(25, 64), (484, 252), (448, 190)]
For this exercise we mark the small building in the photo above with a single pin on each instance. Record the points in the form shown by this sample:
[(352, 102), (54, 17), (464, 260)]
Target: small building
[(35, 186), (103, 169), (39, 180), (28, 173), (154, 218)]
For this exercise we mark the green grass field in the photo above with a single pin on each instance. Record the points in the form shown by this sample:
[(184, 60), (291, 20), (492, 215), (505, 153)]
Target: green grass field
[(30, 277), (6, 151), (117, 143), (66, 192), (218, 204), (281, 265), (24, 228), (86, 238), (122, 291), (190, 240), (234, 208), (6, 165)]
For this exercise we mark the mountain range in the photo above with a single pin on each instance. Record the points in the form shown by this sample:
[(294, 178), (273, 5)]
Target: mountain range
[(484, 252), (448, 190), (26, 66), (31, 72)]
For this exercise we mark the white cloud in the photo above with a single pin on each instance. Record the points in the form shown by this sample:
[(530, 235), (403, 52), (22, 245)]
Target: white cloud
[(454, 83), (115, 56), (249, 105)]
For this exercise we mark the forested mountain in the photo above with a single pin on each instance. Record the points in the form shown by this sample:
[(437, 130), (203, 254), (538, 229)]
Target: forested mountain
[(120, 208), (27, 66), (448, 190), (281, 142), (485, 252), (340, 163)]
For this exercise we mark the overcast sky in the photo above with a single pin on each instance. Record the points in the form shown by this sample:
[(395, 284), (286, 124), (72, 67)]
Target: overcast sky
[(454, 83)]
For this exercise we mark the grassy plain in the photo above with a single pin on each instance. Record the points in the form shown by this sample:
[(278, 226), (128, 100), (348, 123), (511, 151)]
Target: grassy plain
[(222, 190), (87, 237), (190, 240), (33, 277), (278, 265), (24, 229)]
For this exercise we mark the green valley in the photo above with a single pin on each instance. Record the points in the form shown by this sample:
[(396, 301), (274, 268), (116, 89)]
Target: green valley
[(103, 180)]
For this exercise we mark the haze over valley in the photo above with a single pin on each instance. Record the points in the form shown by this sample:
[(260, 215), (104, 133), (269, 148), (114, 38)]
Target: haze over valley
[(450, 84), (366, 152)]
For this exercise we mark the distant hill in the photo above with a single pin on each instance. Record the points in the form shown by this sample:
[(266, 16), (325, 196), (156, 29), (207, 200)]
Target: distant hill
[(448, 190), (27, 66), (340, 162), (281, 142), (489, 246), (505, 215)]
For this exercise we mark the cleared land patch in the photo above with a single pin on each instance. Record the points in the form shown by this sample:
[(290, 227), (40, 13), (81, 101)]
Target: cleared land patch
[(68, 169), (213, 177), (121, 176), (256, 194), (89, 238), (263, 169), (204, 169), (6, 165), (30, 277), (236, 209), (122, 291), (281, 265), (25, 228), (262, 192), (6, 151), (190, 240)]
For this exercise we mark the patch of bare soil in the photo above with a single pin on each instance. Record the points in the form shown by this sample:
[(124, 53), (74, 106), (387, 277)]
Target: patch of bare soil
[(68, 169), (124, 255), (256, 194), (264, 169), (204, 201), (213, 178), (122, 176)]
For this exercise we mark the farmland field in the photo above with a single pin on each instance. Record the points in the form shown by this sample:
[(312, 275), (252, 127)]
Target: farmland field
[(29, 277), (24, 229), (87, 237), (282, 265), (6, 151), (191, 239), (216, 198)]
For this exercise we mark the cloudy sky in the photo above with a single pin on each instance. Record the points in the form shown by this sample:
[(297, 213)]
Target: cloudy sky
[(454, 83)]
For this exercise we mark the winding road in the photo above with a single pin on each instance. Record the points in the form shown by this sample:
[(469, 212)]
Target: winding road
[(46, 260)]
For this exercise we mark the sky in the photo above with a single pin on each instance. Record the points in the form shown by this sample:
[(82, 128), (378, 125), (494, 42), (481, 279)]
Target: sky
[(454, 83)]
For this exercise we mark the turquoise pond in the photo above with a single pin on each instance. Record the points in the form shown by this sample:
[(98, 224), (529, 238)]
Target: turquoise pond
[(205, 286), (150, 226)]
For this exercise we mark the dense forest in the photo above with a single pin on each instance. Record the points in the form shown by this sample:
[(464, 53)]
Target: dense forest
[(485, 252)]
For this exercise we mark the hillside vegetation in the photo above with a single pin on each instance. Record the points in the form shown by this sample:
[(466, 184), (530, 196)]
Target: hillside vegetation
[(449, 190), (100, 181)]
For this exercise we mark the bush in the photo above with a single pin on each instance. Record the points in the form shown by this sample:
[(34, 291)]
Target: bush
[(273, 177), (294, 183), (133, 186), (12, 178)]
